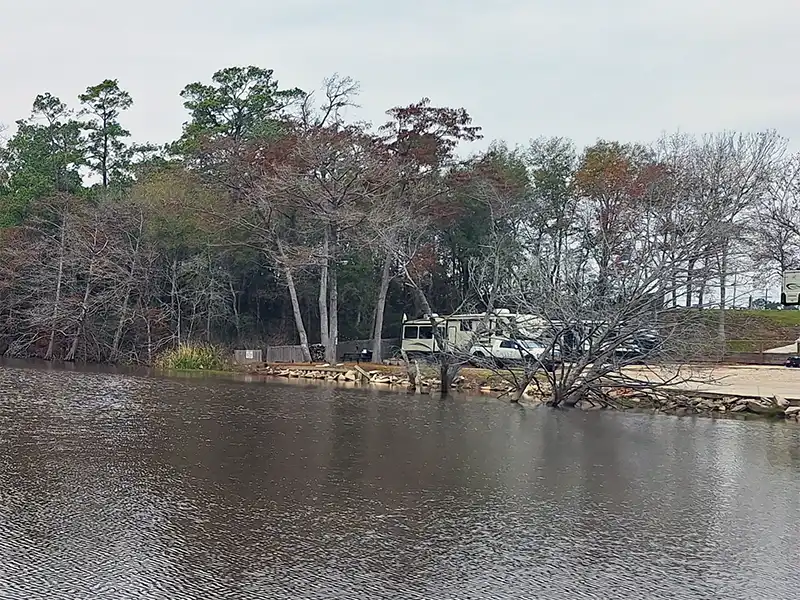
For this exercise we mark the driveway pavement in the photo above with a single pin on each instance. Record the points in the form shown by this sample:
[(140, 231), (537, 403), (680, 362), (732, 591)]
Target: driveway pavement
[(750, 380)]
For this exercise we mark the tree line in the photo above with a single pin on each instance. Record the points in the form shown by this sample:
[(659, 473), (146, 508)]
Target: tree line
[(275, 218)]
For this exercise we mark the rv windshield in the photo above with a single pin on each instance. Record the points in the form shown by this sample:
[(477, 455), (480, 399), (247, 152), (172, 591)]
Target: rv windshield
[(530, 344)]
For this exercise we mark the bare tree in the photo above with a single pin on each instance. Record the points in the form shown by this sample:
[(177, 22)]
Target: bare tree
[(505, 211), (334, 177), (128, 269), (599, 345), (731, 172), (52, 230), (606, 304), (90, 246), (774, 229), (273, 227), (338, 94)]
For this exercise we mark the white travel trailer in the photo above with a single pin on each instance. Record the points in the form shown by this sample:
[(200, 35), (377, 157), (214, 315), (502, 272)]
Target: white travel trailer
[(790, 291), (464, 330)]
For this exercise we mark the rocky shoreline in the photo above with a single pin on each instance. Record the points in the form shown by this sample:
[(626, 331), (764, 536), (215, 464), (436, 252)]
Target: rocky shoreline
[(679, 402), (673, 402)]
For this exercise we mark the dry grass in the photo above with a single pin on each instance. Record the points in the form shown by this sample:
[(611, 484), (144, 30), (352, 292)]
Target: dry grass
[(193, 357)]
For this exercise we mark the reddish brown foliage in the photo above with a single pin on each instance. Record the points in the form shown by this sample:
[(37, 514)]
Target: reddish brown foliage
[(619, 178), (424, 262), (427, 136)]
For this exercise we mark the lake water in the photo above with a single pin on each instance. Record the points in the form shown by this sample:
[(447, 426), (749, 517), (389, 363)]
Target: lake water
[(116, 486)]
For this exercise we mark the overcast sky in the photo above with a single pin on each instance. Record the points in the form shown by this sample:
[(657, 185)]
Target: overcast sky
[(585, 69)]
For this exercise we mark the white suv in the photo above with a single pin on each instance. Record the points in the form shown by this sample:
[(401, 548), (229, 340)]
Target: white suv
[(506, 352)]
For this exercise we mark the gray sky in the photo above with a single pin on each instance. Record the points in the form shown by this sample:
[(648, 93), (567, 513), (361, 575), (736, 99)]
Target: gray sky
[(617, 69)]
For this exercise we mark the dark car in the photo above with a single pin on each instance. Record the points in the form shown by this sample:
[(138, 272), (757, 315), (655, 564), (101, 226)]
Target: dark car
[(792, 362), (641, 346)]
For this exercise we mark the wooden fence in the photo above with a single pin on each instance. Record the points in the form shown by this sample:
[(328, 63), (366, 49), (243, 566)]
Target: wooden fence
[(294, 354), (247, 357), (285, 354), (753, 358), (753, 352)]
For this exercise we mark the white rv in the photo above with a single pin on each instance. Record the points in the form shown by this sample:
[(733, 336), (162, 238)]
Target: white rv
[(464, 331)]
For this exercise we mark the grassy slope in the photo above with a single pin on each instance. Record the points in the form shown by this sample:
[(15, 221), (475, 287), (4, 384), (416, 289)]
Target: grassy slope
[(755, 330)]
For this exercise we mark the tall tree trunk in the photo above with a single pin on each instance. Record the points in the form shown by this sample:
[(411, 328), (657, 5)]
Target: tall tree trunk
[(123, 315), (555, 272), (149, 340), (104, 166), (324, 332), (209, 296), (333, 299), (56, 304), (82, 319), (380, 307), (447, 370), (690, 281), (601, 300), (175, 300), (235, 307), (723, 291), (81, 324), (674, 291), (298, 316)]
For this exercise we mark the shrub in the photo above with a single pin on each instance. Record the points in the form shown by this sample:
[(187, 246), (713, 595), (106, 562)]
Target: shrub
[(191, 357)]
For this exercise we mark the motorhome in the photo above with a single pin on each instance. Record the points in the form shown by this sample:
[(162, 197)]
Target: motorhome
[(462, 331), (504, 335)]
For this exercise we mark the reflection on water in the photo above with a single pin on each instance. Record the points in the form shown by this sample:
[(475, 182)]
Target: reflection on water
[(119, 486)]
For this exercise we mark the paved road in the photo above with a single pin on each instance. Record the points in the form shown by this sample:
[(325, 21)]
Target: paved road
[(751, 380), (790, 349)]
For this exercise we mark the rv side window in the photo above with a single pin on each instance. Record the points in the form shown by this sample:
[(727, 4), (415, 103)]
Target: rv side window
[(426, 332), (411, 332), (466, 325)]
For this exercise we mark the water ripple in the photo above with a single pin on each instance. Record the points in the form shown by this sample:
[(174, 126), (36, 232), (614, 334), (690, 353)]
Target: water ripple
[(116, 487)]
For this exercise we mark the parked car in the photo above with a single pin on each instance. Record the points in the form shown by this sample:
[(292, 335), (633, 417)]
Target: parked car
[(639, 347), (509, 352), (792, 362)]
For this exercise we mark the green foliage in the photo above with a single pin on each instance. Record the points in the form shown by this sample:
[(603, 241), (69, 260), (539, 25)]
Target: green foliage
[(107, 153), (490, 197), (148, 158), (12, 209), (42, 158), (176, 205), (240, 103), (193, 357), (358, 276), (781, 318), (202, 238), (552, 163)]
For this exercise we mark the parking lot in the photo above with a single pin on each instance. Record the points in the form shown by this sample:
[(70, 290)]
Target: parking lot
[(746, 380)]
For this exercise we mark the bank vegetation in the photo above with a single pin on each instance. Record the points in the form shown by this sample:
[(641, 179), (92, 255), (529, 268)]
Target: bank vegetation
[(276, 219)]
